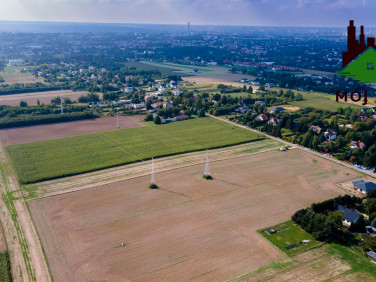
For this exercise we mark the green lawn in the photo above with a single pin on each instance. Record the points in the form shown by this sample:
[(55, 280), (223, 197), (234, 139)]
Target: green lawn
[(50, 159), (353, 256), (287, 132), (14, 71), (286, 238), (187, 70), (318, 100)]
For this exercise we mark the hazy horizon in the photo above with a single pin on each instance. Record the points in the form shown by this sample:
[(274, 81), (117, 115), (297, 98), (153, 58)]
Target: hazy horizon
[(289, 13)]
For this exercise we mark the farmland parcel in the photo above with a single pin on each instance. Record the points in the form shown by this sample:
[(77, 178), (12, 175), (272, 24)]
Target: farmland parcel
[(189, 223), (73, 155)]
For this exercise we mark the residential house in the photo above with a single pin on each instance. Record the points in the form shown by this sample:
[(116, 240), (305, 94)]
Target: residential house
[(127, 89), (256, 83), (331, 135), (125, 103), (357, 145), (261, 103), (162, 88), (364, 186), (152, 88), (173, 84), (244, 80), (274, 121), (176, 92), (242, 110), (262, 117), (167, 105), (349, 215), (277, 109), (270, 85), (182, 117), (315, 128), (149, 98), (138, 106), (157, 105)]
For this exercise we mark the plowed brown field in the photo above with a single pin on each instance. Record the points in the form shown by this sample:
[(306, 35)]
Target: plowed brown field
[(189, 229)]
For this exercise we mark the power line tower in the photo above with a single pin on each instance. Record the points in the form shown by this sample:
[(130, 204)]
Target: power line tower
[(207, 167), (61, 105), (117, 119), (152, 181)]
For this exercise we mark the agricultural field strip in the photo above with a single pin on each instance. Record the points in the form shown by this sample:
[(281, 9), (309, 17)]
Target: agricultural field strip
[(26, 252), (301, 148), (106, 176), (37, 161), (42, 94)]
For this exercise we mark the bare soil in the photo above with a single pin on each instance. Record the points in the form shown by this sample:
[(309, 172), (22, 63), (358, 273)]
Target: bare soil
[(227, 79), (22, 79), (59, 130), (190, 228), (44, 97)]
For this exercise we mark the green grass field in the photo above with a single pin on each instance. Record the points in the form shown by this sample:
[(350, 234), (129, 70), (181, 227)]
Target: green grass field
[(286, 238), (13, 72), (187, 70), (5, 270), (318, 100), (50, 159), (148, 67)]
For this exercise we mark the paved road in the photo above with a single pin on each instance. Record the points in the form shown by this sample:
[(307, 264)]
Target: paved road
[(368, 172)]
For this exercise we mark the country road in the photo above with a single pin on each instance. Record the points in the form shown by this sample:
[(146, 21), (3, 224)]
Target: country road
[(370, 173)]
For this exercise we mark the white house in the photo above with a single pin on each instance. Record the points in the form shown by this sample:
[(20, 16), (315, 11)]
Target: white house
[(176, 92), (138, 106), (127, 89)]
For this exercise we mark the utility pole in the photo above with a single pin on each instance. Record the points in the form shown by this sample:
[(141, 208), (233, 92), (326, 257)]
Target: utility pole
[(61, 105), (117, 119), (207, 167), (152, 181)]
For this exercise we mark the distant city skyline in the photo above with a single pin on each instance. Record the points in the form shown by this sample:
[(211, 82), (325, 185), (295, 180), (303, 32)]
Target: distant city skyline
[(309, 13)]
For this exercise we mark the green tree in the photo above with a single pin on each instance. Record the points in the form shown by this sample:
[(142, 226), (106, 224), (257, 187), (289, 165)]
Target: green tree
[(157, 120), (56, 100), (336, 216), (23, 104), (149, 117), (358, 225), (370, 205)]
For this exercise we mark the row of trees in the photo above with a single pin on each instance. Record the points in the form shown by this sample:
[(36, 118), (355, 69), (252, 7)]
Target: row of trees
[(25, 120)]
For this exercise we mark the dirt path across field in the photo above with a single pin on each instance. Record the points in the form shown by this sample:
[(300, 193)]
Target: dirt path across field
[(26, 254)]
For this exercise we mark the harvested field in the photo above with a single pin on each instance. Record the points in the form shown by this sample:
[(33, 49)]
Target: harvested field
[(188, 224), (43, 96), (22, 79), (227, 79), (27, 134)]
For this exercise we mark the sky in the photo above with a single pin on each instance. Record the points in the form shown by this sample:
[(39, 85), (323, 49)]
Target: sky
[(316, 13)]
